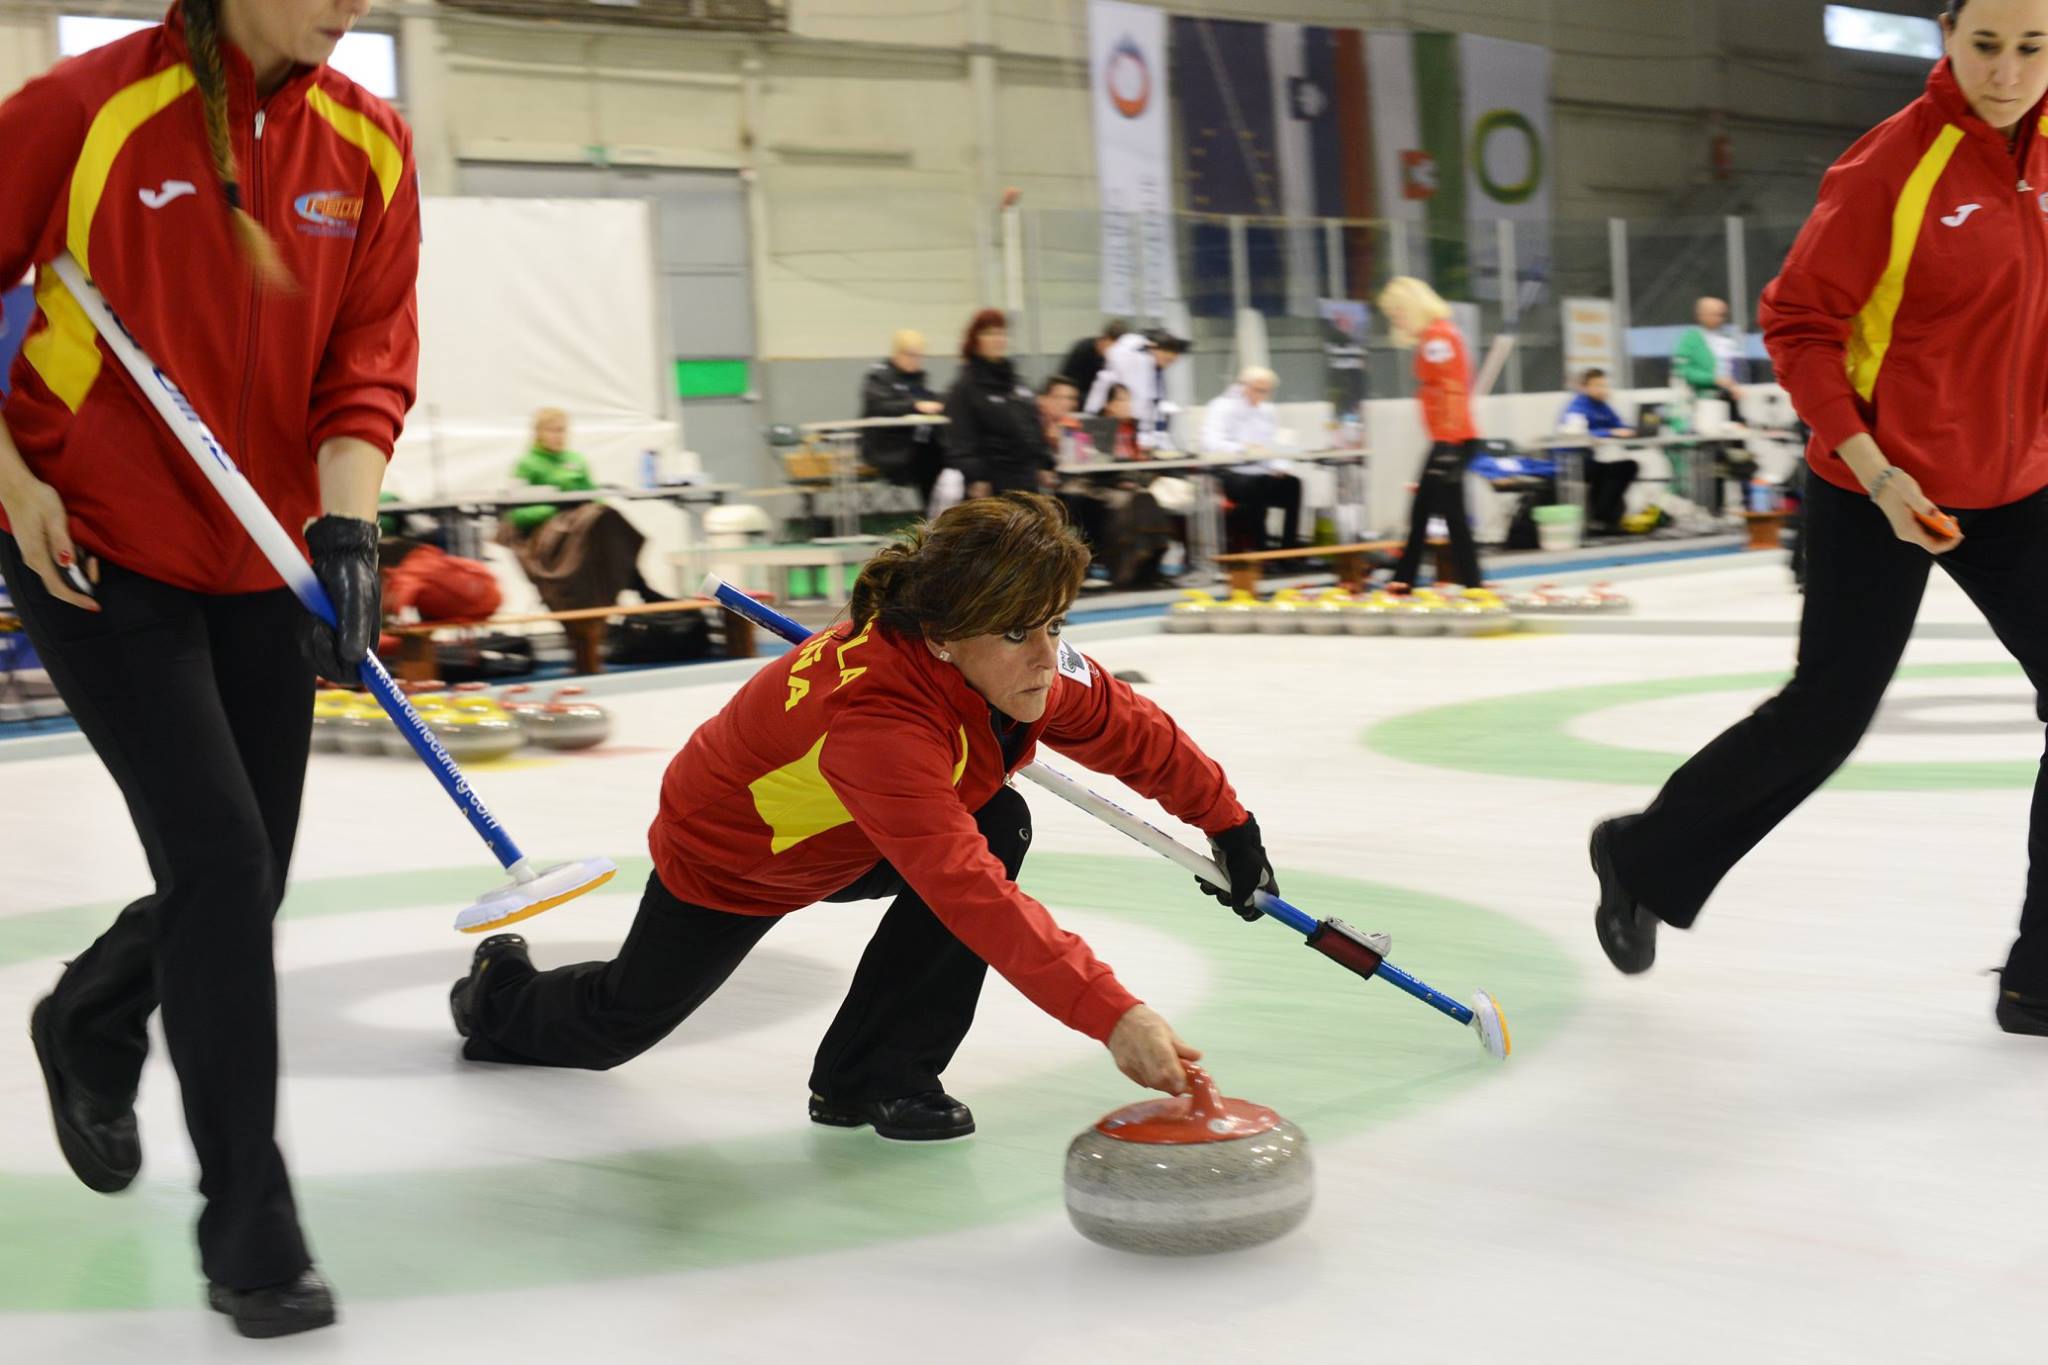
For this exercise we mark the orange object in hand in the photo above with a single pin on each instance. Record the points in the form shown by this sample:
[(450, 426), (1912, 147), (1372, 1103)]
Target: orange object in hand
[(1941, 525)]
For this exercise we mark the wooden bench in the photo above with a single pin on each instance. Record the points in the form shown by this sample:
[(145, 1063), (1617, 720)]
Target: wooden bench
[(584, 627), (1352, 561)]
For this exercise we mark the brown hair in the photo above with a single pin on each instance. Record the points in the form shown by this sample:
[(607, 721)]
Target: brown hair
[(987, 320), (202, 38), (984, 567)]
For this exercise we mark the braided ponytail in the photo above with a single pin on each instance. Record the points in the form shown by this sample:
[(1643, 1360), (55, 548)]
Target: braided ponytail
[(202, 36)]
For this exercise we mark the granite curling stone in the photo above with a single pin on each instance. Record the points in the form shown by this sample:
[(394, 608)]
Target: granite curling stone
[(1189, 1174)]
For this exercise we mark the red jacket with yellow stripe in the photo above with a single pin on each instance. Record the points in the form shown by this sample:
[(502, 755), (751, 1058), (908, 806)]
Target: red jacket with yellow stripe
[(1443, 377), (861, 746), (1915, 303), (106, 156)]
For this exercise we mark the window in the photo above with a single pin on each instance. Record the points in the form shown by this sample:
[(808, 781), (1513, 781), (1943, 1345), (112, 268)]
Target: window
[(369, 59), (1869, 30)]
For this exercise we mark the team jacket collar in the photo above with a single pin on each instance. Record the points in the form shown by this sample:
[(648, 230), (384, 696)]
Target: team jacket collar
[(1948, 99), (241, 74)]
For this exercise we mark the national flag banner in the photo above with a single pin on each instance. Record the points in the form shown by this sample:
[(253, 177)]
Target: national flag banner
[(1229, 113)]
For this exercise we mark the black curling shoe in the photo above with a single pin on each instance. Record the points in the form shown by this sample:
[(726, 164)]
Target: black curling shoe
[(2022, 1013), (468, 991), (932, 1116), (98, 1138), (282, 1310), (1627, 932)]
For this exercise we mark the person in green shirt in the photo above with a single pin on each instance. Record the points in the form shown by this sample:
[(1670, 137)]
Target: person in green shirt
[(581, 556), (1705, 363), (550, 464), (1706, 355)]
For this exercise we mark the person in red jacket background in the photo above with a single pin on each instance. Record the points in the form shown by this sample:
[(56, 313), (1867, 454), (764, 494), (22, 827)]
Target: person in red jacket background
[(874, 761), (1443, 375), (1907, 324), (253, 217)]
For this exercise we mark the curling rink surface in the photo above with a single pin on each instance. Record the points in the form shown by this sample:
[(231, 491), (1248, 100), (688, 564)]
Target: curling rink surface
[(1801, 1133)]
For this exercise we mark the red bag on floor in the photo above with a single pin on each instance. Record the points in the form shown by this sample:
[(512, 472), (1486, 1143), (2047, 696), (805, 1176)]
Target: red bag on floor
[(443, 587)]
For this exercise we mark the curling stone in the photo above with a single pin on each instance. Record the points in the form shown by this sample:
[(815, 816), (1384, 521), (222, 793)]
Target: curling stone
[(1282, 615), (1327, 614), (1189, 1174), (475, 727), (1421, 612), (362, 727), (1372, 614), (1495, 617), (566, 724), (1238, 616), (330, 706), (1190, 616), (1603, 597)]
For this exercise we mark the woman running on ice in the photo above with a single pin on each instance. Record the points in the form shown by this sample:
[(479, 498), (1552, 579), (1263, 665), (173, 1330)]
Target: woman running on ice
[(1908, 324), (875, 762)]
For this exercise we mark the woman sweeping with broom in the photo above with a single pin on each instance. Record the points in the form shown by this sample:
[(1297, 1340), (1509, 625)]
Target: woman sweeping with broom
[(253, 216)]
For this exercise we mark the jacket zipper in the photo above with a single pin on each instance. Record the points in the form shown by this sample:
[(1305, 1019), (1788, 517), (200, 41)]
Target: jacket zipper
[(253, 202), (2029, 230)]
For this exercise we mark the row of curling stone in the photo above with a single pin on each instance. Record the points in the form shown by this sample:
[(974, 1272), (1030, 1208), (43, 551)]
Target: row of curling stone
[(1442, 610), (1428, 611), (472, 725)]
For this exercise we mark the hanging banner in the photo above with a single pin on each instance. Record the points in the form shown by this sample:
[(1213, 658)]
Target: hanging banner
[(1461, 138), (1128, 76), (1506, 89)]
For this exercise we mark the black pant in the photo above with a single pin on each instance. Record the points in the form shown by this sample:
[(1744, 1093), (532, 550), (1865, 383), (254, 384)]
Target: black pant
[(1252, 495), (1440, 492), (911, 1003), (1863, 589), (201, 707), (1607, 485)]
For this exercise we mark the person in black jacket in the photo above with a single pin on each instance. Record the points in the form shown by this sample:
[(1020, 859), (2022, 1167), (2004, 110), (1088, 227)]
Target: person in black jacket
[(995, 437), (1084, 362), (911, 456)]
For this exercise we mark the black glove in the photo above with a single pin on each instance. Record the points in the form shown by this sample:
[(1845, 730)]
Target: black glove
[(1242, 856), (344, 553)]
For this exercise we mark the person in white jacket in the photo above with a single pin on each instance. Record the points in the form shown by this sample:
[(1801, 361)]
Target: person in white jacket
[(1242, 422), (1137, 361)]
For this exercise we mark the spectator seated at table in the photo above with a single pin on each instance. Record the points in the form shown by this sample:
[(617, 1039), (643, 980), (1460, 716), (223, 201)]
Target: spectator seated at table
[(580, 556), (1241, 422), (897, 387), (1148, 512), (1087, 506), (1607, 481)]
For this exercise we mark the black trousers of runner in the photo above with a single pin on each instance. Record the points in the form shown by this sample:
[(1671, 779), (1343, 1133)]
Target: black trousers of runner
[(1252, 496), (1863, 590), (201, 708), (1440, 492), (911, 1003)]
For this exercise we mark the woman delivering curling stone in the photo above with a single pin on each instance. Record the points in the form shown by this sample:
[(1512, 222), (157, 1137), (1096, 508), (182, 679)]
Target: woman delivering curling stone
[(252, 216), (1908, 325), (872, 762)]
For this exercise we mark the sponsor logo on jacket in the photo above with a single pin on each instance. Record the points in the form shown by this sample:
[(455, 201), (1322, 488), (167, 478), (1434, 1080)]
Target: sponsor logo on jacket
[(329, 213)]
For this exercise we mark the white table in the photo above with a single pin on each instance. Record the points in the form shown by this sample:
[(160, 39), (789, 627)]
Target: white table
[(845, 434), (832, 554), (1204, 532), (466, 513)]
